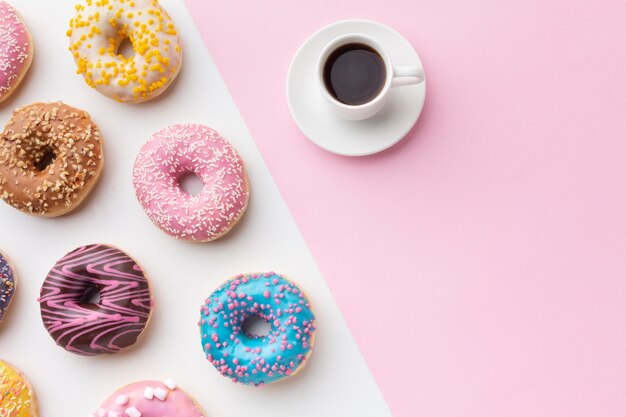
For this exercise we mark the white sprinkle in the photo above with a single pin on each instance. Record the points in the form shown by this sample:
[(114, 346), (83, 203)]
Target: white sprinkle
[(148, 393), (133, 412), (160, 393), (170, 384), (102, 412), (122, 400), (114, 414)]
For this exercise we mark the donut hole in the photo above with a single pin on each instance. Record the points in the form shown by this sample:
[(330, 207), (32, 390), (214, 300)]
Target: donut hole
[(44, 158), (256, 326), (125, 48), (191, 183), (91, 295)]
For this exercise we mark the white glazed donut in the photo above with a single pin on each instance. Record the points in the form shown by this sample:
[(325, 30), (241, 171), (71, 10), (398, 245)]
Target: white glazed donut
[(96, 33)]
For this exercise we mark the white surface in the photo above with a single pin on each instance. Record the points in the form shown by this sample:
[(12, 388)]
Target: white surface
[(344, 137), (335, 383)]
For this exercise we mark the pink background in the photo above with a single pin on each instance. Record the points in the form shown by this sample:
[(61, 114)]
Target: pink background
[(481, 262)]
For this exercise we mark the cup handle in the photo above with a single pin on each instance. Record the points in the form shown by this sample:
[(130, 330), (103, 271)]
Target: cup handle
[(406, 76)]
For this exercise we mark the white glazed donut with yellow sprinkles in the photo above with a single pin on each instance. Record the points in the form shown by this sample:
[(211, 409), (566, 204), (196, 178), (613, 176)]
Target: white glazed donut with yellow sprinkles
[(96, 33)]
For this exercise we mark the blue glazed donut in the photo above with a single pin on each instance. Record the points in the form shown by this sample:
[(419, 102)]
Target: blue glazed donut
[(250, 359)]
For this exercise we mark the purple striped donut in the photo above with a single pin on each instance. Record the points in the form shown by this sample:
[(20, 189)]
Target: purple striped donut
[(82, 326)]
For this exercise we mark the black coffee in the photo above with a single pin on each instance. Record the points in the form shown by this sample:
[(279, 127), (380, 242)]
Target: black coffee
[(354, 74)]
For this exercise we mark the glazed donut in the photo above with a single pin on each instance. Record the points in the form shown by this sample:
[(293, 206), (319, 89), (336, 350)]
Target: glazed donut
[(50, 159), (96, 33), (248, 358), (91, 328), (8, 283), (173, 152), (16, 50), (17, 398), (149, 399)]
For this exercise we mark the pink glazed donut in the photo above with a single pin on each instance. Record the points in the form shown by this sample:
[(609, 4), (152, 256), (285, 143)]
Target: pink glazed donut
[(176, 151), (149, 399), (16, 50)]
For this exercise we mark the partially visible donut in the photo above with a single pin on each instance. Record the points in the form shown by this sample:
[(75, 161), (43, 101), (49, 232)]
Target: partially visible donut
[(16, 50), (8, 282), (175, 151), (96, 33), (50, 158), (17, 398), (149, 399), (91, 327)]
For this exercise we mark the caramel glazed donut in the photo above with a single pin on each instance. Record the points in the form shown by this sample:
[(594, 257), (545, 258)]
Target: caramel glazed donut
[(96, 33), (50, 158)]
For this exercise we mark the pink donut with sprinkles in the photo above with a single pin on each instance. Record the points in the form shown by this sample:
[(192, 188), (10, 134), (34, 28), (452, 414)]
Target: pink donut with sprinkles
[(16, 50), (179, 150)]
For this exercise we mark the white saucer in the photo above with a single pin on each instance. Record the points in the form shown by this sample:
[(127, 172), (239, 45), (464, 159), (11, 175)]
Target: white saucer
[(353, 138)]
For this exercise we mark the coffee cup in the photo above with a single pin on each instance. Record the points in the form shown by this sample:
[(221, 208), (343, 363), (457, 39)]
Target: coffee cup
[(356, 75)]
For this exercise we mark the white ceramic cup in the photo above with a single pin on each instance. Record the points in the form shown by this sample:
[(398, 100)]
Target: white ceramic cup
[(395, 77)]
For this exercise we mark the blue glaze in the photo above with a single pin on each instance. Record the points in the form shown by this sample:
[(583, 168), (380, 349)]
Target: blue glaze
[(7, 285), (257, 360)]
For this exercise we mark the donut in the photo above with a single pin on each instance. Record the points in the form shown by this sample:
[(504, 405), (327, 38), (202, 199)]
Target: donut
[(176, 151), (17, 398), (89, 327), (101, 26), (248, 358), (16, 50), (50, 159), (149, 399), (7, 285)]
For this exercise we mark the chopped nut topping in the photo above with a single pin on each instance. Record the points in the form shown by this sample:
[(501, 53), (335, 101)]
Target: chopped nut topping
[(50, 157)]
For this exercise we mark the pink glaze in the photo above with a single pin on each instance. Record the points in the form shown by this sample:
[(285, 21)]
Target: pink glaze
[(176, 403), (180, 149), (15, 48)]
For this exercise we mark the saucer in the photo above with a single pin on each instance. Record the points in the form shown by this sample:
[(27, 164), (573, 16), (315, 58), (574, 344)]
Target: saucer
[(353, 138)]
